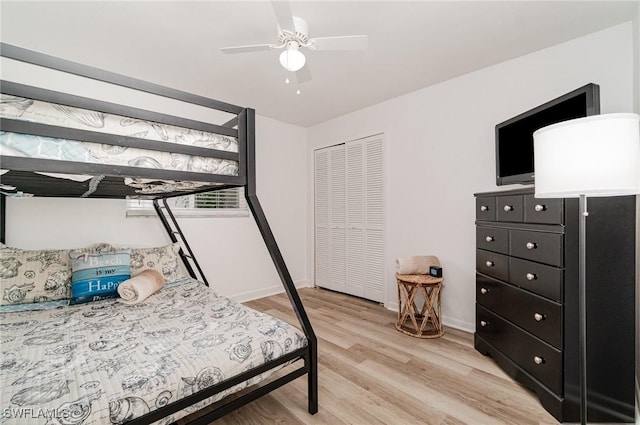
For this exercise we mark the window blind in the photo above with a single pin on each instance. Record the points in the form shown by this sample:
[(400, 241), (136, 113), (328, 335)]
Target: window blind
[(226, 202)]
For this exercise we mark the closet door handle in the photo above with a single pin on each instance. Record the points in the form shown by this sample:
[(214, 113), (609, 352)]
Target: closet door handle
[(489, 239), (489, 263), (508, 208), (531, 276)]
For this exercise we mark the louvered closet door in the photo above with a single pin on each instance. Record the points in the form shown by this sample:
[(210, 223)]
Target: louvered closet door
[(355, 249), (349, 204), (322, 264), (337, 219), (374, 218)]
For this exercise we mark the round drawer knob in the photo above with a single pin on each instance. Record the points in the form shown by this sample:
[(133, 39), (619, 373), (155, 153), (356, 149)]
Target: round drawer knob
[(538, 317), (483, 323), (540, 208), (531, 276), (532, 245), (538, 360), (508, 208), (489, 263), (484, 290), (484, 208), (489, 239)]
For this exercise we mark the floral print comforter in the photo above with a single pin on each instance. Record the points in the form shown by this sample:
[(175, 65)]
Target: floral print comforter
[(105, 362)]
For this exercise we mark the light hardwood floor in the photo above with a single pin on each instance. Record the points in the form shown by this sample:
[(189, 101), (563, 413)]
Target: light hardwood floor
[(369, 373)]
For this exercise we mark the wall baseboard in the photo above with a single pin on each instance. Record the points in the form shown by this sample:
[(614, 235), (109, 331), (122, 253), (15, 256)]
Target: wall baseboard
[(459, 324), (393, 306), (447, 321), (265, 292)]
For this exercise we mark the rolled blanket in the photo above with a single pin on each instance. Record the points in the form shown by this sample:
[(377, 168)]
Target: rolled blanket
[(140, 287), (416, 265)]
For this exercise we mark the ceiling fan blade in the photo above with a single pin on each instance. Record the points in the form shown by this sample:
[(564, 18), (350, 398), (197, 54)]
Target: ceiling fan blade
[(303, 75), (282, 9), (346, 42), (246, 49)]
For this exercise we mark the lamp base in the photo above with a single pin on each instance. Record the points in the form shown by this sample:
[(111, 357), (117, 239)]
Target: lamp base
[(582, 304)]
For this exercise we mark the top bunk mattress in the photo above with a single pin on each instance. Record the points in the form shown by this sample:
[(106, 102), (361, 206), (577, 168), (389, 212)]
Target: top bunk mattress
[(107, 362), (170, 141)]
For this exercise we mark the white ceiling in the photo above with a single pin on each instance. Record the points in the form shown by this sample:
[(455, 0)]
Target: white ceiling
[(411, 44)]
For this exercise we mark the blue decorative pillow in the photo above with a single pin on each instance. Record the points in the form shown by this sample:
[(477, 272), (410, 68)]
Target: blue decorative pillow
[(96, 276)]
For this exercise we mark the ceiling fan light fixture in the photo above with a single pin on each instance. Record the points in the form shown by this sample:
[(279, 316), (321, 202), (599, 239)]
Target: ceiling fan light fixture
[(292, 59)]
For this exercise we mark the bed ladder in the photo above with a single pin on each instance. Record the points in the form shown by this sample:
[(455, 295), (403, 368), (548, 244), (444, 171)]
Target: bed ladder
[(170, 224)]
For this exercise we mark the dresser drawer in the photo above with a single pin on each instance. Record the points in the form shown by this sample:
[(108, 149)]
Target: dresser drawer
[(486, 208), (492, 239), (546, 211), (492, 264), (538, 278), (510, 208), (536, 357), (541, 317), (536, 246)]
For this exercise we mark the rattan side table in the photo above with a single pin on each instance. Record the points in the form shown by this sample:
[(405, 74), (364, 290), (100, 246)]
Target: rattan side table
[(423, 322)]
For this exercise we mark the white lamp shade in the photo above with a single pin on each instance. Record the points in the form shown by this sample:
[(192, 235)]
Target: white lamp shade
[(594, 156), (292, 59)]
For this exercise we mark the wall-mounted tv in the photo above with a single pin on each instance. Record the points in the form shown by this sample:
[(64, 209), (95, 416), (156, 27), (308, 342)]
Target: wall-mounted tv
[(514, 137)]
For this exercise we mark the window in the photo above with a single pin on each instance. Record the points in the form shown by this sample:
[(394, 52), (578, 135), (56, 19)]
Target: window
[(221, 203)]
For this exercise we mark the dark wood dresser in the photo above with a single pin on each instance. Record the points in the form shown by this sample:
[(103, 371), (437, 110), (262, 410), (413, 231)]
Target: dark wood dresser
[(527, 299)]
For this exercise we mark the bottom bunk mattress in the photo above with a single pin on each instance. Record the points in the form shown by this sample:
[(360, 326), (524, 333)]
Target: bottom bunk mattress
[(106, 362)]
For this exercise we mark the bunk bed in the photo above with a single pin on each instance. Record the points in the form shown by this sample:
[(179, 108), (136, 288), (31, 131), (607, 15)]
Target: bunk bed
[(190, 356)]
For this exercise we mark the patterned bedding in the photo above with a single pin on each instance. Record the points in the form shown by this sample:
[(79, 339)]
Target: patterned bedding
[(31, 146), (105, 362)]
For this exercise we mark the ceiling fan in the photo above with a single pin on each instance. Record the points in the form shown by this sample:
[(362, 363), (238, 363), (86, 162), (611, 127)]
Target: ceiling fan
[(293, 38)]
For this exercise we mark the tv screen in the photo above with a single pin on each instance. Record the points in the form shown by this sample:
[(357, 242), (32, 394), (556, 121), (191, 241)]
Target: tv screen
[(514, 137)]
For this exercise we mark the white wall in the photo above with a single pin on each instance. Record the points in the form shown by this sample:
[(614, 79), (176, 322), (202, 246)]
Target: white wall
[(229, 249), (440, 149)]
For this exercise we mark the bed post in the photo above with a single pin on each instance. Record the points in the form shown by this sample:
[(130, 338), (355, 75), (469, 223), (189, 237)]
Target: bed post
[(246, 131)]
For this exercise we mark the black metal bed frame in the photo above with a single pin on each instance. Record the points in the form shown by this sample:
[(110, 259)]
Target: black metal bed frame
[(21, 175)]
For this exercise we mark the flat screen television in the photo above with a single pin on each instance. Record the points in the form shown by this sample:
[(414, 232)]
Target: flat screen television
[(514, 137)]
